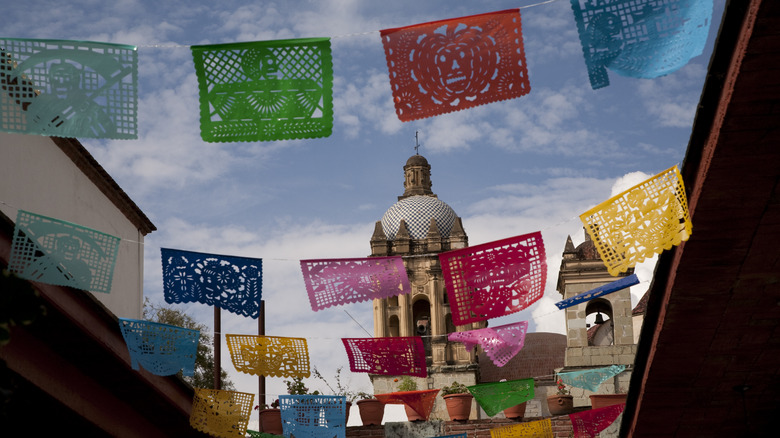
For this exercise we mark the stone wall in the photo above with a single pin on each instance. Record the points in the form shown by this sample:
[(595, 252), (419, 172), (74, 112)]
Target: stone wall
[(561, 427), (599, 356)]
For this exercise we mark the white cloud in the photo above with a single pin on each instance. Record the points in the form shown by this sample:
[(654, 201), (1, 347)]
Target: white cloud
[(550, 34), (449, 132), (552, 207), (545, 122), (252, 22), (627, 181), (338, 18), (364, 104), (671, 100), (169, 151)]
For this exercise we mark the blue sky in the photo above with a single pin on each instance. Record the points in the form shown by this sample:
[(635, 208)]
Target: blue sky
[(508, 168)]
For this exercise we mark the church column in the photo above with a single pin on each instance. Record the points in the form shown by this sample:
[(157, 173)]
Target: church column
[(437, 319), (438, 327), (380, 318), (405, 315)]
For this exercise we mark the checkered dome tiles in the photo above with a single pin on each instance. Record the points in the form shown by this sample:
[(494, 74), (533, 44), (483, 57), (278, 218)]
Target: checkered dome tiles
[(417, 212)]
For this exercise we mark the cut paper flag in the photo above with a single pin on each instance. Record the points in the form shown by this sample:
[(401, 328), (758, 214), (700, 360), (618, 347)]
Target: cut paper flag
[(599, 291), (342, 281), (162, 349), (460, 435), (221, 413), (62, 253), (269, 356), (451, 65), (640, 222), (392, 356), (536, 429), (588, 424), (314, 416), (500, 343), (267, 90), (497, 396), (494, 279), (69, 88), (613, 430), (640, 38), (419, 401), (591, 379), (232, 283)]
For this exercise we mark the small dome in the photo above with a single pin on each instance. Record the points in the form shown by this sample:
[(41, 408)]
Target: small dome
[(417, 212), (417, 160)]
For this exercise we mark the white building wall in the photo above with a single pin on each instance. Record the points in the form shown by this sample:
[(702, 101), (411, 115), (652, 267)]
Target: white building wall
[(37, 176)]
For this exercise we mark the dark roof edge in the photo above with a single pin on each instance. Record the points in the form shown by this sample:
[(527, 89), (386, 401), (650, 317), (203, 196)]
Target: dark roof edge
[(734, 19), (734, 15), (95, 172)]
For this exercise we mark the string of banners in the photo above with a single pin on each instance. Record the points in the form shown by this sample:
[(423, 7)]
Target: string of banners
[(283, 89), (645, 219), (484, 281), (226, 413)]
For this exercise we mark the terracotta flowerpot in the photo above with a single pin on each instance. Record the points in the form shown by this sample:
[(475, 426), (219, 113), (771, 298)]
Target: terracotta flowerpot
[(560, 404), (371, 411), (604, 400), (412, 415), (271, 421), (458, 405), (515, 412)]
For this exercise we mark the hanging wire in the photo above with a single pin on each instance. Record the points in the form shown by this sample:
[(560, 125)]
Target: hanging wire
[(347, 35), (356, 322)]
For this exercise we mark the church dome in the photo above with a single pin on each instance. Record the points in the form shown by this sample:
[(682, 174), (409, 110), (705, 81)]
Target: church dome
[(417, 212), (417, 160)]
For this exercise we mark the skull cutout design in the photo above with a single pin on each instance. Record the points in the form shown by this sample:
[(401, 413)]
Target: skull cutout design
[(450, 65)]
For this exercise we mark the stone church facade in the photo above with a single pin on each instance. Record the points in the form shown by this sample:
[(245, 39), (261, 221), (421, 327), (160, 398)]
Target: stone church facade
[(418, 227)]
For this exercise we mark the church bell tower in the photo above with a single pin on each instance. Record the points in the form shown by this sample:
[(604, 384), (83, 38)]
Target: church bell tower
[(418, 227)]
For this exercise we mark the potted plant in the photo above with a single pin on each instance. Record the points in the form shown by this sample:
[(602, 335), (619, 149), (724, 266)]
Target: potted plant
[(408, 384), (371, 410), (340, 389), (562, 402), (603, 400), (458, 400), (270, 418), (515, 412)]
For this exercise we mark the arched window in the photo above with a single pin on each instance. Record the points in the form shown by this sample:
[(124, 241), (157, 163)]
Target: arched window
[(598, 319), (392, 325), (421, 317)]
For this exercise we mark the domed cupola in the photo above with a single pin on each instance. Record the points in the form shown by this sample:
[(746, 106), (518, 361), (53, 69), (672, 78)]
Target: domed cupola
[(417, 212), (419, 221)]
